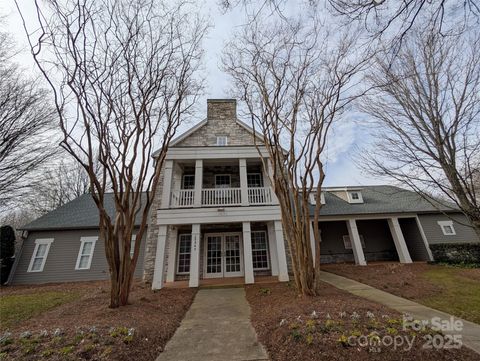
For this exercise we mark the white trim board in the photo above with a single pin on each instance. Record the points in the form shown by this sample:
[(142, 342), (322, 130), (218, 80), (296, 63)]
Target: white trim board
[(40, 241), (84, 240)]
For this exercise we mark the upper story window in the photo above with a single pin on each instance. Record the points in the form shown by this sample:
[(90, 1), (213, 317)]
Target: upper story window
[(222, 140), (188, 181), (254, 180), (447, 228), (222, 181), (313, 199), (85, 254), (40, 253), (355, 197)]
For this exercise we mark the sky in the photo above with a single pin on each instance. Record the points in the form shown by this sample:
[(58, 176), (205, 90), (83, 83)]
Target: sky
[(345, 140)]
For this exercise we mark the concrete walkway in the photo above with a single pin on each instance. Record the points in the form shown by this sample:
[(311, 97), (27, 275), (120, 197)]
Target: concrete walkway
[(470, 333), (216, 327)]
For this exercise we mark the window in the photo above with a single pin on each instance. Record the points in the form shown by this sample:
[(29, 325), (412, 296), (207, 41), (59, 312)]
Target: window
[(222, 181), (254, 180), (313, 200), (183, 258), (348, 244), (222, 140), (39, 256), (355, 197), (447, 228), (188, 181), (85, 254), (259, 250)]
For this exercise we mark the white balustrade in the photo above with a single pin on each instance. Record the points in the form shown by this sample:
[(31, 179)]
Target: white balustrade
[(259, 195), (221, 196), (183, 198)]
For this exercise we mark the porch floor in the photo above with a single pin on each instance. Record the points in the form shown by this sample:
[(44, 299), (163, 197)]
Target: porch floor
[(222, 282)]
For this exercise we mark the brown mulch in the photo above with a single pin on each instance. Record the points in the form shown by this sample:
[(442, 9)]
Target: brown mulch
[(397, 278), (286, 326), (153, 316)]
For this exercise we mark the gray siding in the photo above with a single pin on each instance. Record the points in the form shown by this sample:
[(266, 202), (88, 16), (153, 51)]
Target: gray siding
[(413, 239), (62, 258), (434, 233)]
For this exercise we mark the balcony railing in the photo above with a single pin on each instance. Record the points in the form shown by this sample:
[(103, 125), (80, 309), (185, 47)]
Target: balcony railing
[(221, 197), (259, 195)]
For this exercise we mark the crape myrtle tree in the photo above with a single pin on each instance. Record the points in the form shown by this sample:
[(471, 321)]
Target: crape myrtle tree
[(123, 74), (295, 79), (426, 109)]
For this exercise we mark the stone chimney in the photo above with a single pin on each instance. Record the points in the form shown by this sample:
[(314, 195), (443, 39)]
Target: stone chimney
[(221, 109)]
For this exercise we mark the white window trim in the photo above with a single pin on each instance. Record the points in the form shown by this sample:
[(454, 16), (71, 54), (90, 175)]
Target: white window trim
[(346, 241), (132, 245), (351, 200), (178, 254), (259, 175), (267, 250), (314, 201), (183, 181), (83, 240), (443, 224), (38, 242), (224, 175), (222, 136)]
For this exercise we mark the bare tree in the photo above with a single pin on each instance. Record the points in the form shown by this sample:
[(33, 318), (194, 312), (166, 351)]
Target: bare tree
[(26, 123), (123, 74), (427, 111), (295, 78), (58, 184), (401, 16)]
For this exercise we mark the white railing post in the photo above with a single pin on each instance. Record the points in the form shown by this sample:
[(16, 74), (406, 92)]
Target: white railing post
[(198, 183), (167, 184), (243, 181)]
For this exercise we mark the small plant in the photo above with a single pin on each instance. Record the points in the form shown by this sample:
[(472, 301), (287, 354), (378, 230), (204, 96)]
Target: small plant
[(356, 333), (297, 336), (343, 340), (392, 331), (309, 339), (67, 350), (294, 326), (118, 331), (128, 339), (47, 353), (310, 325), (264, 291)]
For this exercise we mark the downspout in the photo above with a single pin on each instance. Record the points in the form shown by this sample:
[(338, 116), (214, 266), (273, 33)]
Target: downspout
[(17, 257)]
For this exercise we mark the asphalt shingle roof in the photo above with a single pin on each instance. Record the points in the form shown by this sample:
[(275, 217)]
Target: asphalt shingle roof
[(77, 214), (378, 200)]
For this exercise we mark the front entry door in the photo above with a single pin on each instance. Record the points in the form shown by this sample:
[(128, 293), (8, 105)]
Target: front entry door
[(223, 255)]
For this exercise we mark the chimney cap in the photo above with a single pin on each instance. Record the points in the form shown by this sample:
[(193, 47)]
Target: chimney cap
[(221, 100)]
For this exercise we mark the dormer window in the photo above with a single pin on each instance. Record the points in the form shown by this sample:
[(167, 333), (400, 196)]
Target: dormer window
[(222, 140), (355, 197), (314, 201)]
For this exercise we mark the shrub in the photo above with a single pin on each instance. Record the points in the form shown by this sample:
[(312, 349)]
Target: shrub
[(456, 253)]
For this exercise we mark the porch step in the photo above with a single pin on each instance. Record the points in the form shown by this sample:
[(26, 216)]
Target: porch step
[(213, 286)]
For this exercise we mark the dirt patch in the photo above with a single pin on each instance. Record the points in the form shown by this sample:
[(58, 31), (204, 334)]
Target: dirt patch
[(88, 329), (290, 330)]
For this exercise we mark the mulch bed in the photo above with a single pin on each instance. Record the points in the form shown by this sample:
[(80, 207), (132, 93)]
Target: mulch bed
[(92, 331), (286, 325)]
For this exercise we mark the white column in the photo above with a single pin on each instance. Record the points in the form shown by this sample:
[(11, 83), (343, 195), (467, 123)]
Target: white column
[(282, 255), (158, 271), (400, 244), (243, 181), (356, 243), (272, 246), (247, 253), (424, 238), (195, 257), (167, 184), (172, 254), (270, 172), (198, 183)]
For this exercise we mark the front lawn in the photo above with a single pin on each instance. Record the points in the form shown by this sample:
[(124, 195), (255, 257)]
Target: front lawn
[(73, 322), (450, 289), (338, 326)]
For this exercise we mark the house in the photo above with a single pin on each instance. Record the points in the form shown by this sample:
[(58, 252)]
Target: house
[(216, 216)]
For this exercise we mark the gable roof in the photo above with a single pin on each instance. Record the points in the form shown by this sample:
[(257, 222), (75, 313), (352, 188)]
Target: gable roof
[(378, 200), (81, 213)]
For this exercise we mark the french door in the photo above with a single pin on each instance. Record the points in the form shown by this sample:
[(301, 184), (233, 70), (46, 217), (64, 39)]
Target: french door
[(223, 255)]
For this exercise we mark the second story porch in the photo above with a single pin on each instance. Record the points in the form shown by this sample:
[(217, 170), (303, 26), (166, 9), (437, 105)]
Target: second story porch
[(216, 183)]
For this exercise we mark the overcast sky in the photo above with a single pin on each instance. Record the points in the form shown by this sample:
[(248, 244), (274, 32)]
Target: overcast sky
[(346, 138)]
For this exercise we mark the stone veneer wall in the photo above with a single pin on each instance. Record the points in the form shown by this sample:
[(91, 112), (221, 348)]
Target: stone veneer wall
[(221, 121)]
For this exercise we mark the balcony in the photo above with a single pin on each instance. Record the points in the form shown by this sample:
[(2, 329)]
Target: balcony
[(220, 197)]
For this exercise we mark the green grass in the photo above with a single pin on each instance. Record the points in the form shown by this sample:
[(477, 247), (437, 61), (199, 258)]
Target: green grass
[(460, 295), (17, 308)]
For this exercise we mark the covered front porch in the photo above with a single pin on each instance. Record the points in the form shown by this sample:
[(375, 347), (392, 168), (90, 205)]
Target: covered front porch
[(230, 253)]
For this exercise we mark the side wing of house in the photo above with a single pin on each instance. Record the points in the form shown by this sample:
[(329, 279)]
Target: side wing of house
[(64, 256), (454, 228)]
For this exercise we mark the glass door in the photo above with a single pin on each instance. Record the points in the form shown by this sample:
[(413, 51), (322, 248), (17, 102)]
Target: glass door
[(223, 255), (213, 259), (233, 255)]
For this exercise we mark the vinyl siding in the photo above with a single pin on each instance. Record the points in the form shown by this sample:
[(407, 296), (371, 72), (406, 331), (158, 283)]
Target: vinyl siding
[(62, 258), (434, 233)]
